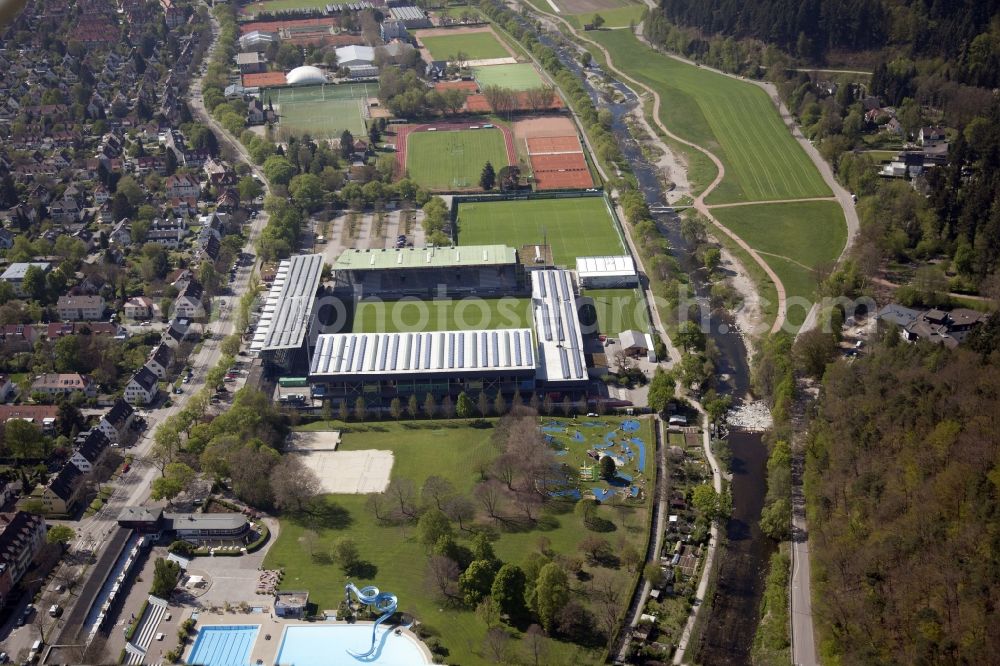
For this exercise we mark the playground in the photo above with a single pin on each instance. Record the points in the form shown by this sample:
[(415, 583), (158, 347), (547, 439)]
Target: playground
[(582, 444), (322, 111)]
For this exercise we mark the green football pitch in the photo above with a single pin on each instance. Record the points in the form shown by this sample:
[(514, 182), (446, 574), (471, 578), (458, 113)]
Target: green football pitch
[(464, 314), (515, 77), (453, 160), (734, 119), (323, 111), (472, 46), (577, 227)]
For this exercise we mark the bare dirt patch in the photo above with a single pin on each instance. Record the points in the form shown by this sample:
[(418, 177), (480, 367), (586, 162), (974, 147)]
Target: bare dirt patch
[(342, 472)]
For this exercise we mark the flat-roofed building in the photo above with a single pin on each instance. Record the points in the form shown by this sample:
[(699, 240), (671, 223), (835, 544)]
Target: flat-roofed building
[(561, 360), (484, 270), (197, 527), (287, 329), (381, 366), (612, 272)]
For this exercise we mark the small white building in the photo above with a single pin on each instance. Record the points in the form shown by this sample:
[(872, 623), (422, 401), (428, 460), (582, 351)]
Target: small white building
[(139, 307), (348, 56), (610, 272)]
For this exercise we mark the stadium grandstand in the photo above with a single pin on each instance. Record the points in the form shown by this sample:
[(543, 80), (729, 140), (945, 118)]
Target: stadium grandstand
[(287, 328), (381, 366), (483, 270), (561, 360)]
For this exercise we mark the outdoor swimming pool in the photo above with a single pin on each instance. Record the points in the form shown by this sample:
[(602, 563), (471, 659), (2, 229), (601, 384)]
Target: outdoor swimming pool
[(224, 645), (327, 645)]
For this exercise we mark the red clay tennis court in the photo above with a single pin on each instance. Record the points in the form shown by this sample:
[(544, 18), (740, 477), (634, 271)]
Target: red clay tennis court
[(561, 170), (553, 144)]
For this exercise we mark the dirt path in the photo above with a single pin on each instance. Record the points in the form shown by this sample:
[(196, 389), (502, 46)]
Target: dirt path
[(953, 294), (771, 201)]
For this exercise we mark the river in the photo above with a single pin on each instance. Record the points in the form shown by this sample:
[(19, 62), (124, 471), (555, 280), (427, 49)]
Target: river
[(728, 636)]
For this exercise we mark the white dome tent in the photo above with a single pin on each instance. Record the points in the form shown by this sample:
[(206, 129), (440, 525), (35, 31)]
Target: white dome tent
[(305, 75)]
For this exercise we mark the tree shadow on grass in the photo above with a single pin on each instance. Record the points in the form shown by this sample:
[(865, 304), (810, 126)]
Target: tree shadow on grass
[(325, 514), (362, 569)]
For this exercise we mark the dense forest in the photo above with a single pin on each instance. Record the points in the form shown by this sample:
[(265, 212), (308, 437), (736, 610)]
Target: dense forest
[(959, 30), (903, 475)]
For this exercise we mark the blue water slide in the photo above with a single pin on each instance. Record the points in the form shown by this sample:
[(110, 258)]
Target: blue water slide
[(382, 602)]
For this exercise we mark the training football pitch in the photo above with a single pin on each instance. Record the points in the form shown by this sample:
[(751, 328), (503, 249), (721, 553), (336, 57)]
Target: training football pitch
[(323, 111), (734, 119), (515, 77), (577, 227), (453, 160), (466, 314), (472, 46), (619, 310)]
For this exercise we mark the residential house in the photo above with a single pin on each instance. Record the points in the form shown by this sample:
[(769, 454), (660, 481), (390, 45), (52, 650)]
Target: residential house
[(160, 360), (228, 201), (59, 329), (17, 338), (43, 416), (218, 172), (81, 308), (949, 328), (172, 14), (184, 207), (116, 422), (189, 304), (61, 495), (6, 239), (167, 232), (91, 452), (8, 389), (930, 135), (258, 114), (64, 384), (22, 535), (178, 331), (139, 307), (182, 186), (436, 69), (393, 29), (14, 275), (141, 389), (101, 194)]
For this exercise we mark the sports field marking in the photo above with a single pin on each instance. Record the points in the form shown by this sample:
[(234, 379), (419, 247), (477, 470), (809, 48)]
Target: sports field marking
[(515, 77), (575, 227), (323, 111), (454, 160), (472, 45)]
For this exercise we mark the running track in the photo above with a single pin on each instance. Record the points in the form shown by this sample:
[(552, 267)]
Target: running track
[(404, 131)]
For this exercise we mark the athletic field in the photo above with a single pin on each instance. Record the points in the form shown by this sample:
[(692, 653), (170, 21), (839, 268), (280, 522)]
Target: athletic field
[(323, 111), (577, 227), (464, 314), (472, 46), (453, 160), (516, 77)]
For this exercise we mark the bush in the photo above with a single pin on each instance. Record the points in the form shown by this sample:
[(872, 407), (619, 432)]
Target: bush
[(181, 547)]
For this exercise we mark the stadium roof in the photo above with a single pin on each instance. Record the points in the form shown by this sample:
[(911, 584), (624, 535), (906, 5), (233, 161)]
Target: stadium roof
[(560, 342), (429, 257), (386, 354), (408, 13), (285, 317), (305, 74), (619, 266)]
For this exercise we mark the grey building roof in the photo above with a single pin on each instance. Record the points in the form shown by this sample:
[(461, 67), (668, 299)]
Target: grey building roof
[(288, 309), (458, 352), (206, 521), (557, 323), (17, 270), (899, 315)]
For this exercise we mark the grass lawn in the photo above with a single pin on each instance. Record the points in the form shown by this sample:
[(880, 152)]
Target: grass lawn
[(522, 76), (453, 160), (794, 238), (613, 18), (280, 5), (573, 227), (735, 120), (447, 315), (398, 562), (472, 45), (619, 310)]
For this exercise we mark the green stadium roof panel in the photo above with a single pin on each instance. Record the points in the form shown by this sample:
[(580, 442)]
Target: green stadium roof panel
[(426, 257)]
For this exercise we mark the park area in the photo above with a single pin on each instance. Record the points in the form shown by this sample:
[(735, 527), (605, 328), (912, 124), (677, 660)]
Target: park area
[(469, 43), (322, 111), (486, 485), (441, 315), (522, 76), (795, 239), (574, 227)]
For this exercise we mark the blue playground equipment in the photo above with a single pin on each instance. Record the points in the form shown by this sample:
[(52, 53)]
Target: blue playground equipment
[(383, 602), (630, 425)]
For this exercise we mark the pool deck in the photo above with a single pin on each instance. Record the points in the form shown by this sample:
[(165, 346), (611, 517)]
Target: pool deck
[(266, 651)]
